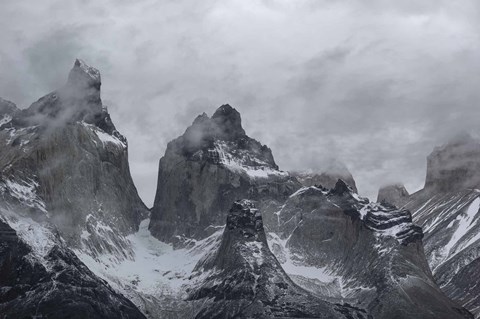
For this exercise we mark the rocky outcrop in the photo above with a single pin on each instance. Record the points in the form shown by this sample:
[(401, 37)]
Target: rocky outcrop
[(207, 168), (64, 159), (246, 281), (455, 165), (327, 178), (368, 253), (56, 285), (448, 208), (395, 194)]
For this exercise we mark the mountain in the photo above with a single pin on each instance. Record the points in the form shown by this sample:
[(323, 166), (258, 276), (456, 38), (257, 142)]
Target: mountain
[(245, 280), (76, 240), (203, 171), (327, 177), (51, 284), (65, 151), (448, 208), (65, 188), (341, 246), (395, 194)]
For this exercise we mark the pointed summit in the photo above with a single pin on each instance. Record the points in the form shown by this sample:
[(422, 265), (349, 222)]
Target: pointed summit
[(84, 75), (229, 121), (247, 281), (341, 188), (78, 100)]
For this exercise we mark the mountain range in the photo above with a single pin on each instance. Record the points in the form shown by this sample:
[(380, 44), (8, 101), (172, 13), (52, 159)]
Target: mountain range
[(230, 235)]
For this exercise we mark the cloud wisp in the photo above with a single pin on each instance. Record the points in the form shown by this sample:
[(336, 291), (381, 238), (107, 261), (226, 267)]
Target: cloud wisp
[(376, 84)]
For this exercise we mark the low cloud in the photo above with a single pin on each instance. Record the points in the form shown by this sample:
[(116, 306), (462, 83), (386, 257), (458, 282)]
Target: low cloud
[(376, 84)]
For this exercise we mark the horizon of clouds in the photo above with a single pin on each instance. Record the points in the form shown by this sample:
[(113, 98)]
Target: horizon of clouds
[(373, 84)]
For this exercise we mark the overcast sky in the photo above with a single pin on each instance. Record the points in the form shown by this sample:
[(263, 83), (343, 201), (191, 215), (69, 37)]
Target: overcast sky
[(375, 84)]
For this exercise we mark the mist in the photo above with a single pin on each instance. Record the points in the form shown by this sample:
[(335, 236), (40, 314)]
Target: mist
[(373, 84)]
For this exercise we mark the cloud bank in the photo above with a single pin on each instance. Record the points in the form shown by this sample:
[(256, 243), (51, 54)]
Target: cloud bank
[(375, 84)]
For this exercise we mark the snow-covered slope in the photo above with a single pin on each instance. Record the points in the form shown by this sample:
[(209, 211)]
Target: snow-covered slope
[(451, 223), (41, 277), (448, 208), (65, 183), (245, 280), (348, 249)]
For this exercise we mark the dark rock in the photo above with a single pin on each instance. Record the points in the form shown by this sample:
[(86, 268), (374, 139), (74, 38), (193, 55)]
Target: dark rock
[(207, 168), (60, 286), (374, 249), (246, 280), (65, 150)]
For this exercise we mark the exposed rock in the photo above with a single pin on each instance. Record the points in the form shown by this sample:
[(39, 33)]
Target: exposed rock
[(56, 286), (456, 165), (246, 280), (369, 253), (63, 158), (395, 194), (449, 210), (207, 168)]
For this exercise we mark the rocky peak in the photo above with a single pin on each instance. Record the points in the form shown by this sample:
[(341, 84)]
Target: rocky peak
[(228, 120), (245, 280), (78, 100), (207, 168), (394, 194), (455, 165), (84, 75), (341, 188)]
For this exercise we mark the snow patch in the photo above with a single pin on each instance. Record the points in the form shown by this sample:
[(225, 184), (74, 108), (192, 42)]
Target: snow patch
[(240, 164), (156, 269)]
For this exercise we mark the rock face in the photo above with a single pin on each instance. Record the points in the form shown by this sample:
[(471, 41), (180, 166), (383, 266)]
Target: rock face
[(65, 153), (448, 208), (367, 253), (395, 194), (328, 177), (454, 166), (56, 285), (246, 280), (65, 187), (207, 168)]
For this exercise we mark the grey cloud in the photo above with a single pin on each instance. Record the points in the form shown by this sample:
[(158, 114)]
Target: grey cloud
[(376, 84)]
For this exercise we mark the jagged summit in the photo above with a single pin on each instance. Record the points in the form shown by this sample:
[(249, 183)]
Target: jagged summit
[(224, 125), (246, 281), (78, 100), (455, 165), (228, 119), (207, 168), (341, 188), (85, 75)]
